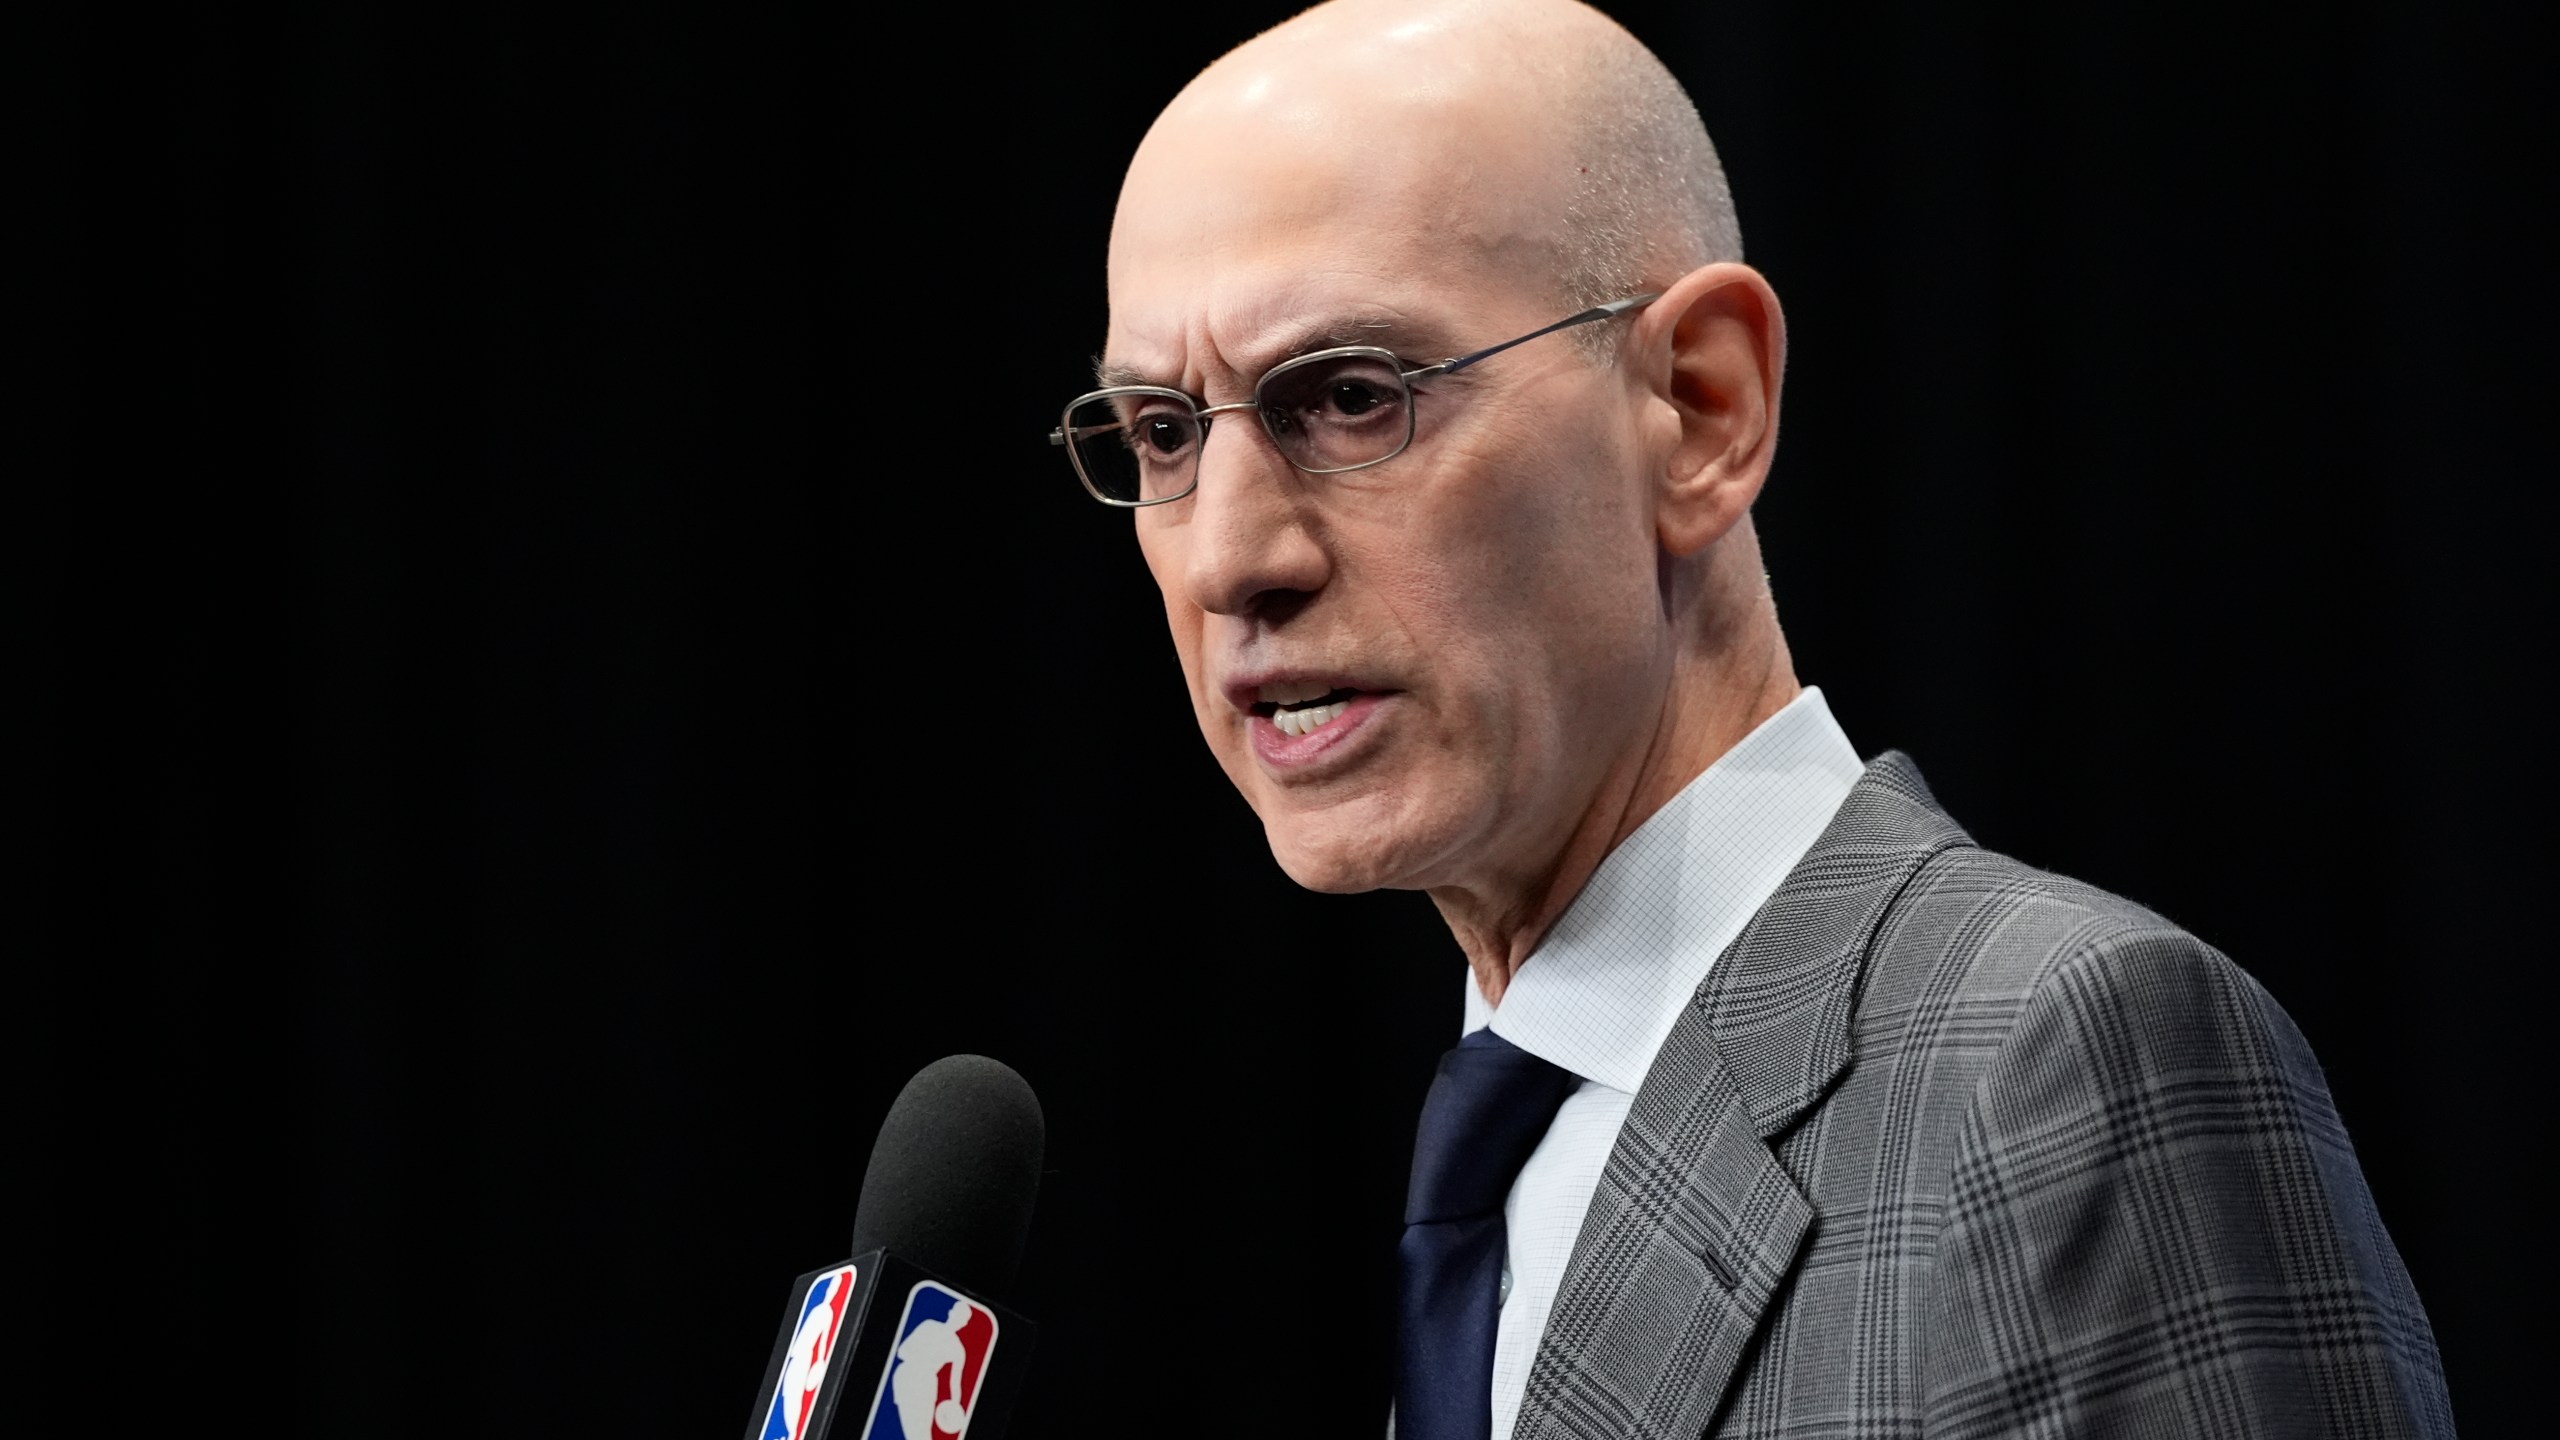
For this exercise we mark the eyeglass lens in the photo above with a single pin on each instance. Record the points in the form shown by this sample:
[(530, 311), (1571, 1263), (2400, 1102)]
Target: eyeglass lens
[(1325, 413)]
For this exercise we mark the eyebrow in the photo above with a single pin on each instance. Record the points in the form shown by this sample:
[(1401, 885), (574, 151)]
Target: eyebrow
[(1406, 339), (1107, 376)]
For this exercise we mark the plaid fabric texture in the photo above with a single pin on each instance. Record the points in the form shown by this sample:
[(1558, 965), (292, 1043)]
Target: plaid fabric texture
[(1946, 1146)]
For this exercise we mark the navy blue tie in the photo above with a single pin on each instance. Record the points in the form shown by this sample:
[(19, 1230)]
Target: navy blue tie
[(1488, 1107)]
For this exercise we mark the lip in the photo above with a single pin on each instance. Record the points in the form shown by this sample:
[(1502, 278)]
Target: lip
[(1301, 756), (1244, 689), (1288, 754)]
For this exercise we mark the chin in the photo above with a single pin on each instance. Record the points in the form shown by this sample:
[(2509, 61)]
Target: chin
[(1327, 875), (1334, 854)]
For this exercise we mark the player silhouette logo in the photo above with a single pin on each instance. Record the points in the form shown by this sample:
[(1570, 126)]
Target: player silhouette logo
[(804, 1366), (934, 1370)]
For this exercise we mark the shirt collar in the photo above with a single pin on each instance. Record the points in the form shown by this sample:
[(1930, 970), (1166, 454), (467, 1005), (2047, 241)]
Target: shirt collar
[(1606, 985)]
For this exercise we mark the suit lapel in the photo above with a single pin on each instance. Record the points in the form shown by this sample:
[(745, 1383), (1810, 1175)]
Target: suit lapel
[(1695, 1224)]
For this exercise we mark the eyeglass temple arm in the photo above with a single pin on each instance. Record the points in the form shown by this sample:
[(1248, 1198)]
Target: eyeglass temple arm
[(1596, 312)]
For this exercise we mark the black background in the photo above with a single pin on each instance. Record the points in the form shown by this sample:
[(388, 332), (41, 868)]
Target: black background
[(562, 670)]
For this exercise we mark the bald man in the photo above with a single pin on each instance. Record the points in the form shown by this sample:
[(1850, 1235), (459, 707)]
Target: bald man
[(1439, 396)]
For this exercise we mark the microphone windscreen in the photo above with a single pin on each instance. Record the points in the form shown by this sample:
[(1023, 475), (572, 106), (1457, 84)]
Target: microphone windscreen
[(954, 1172)]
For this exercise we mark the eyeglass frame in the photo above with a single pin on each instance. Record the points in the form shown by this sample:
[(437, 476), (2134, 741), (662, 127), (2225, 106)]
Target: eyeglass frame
[(1200, 414)]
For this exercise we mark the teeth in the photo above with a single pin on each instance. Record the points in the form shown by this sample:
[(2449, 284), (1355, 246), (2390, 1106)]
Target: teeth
[(1294, 723)]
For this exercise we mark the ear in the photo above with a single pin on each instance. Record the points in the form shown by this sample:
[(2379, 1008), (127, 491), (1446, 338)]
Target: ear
[(1717, 343)]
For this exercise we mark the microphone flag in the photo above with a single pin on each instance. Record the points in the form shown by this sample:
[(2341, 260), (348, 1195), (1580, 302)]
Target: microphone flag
[(905, 1354)]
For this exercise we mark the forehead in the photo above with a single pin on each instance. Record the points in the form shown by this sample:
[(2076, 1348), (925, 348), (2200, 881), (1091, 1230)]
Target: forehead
[(1257, 222), (1236, 325), (1297, 320)]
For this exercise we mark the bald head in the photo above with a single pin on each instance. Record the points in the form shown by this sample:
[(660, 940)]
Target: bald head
[(1538, 132)]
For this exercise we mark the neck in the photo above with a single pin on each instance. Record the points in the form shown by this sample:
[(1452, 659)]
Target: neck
[(1719, 692)]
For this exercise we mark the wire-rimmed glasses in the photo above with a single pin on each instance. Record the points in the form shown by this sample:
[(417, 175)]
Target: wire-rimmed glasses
[(1346, 408)]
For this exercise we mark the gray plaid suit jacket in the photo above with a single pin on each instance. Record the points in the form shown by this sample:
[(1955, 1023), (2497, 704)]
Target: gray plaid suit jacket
[(1947, 1146)]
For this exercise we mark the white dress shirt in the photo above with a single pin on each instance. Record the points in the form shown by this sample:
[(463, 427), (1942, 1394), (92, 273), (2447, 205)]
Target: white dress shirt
[(1601, 992)]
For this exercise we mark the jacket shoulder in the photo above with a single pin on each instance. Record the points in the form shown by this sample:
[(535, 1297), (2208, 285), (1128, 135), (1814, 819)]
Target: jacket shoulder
[(2151, 1197), (2015, 927)]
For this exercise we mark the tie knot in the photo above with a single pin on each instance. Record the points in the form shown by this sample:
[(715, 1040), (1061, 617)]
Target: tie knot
[(1488, 1107)]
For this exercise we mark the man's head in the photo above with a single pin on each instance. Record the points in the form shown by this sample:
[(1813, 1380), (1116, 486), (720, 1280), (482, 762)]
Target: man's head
[(1542, 610)]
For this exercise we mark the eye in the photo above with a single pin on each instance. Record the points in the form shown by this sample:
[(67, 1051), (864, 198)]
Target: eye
[(1156, 433), (1332, 413), (1333, 393), (1355, 396)]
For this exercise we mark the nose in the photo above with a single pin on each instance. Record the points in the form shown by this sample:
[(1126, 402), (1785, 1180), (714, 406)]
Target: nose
[(1254, 546)]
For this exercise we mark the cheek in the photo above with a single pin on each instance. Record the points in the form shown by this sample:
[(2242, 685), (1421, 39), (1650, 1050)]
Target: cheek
[(1542, 549), (1540, 609)]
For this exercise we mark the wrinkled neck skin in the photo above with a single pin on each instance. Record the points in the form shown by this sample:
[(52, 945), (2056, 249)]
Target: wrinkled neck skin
[(1729, 670)]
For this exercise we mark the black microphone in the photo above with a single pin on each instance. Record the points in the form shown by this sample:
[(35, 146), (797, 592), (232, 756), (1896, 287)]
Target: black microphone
[(901, 1342)]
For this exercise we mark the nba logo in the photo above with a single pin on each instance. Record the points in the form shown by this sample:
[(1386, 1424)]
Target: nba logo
[(943, 1343), (804, 1368)]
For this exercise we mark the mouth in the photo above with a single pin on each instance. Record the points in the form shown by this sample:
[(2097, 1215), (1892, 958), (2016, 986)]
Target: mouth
[(1304, 711), (1297, 715)]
